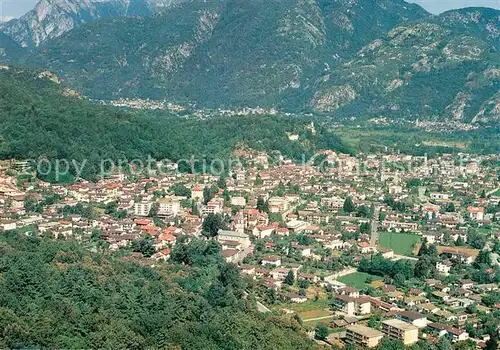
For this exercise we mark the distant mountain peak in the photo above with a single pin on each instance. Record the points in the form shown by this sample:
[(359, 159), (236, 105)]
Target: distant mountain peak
[(338, 57), (51, 18)]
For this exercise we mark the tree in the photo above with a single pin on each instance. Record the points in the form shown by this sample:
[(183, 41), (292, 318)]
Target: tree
[(450, 208), (415, 182), (290, 278), (363, 211), (432, 251), (321, 332), (460, 241), (476, 240), (304, 284), (180, 190), (390, 344), (364, 227), (364, 265), (221, 183), (444, 344), (374, 322), (262, 205), (423, 248), (145, 246), (483, 258), (96, 234), (32, 205), (447, 239), (348, 205), (212, 224), (226, 196), (492, 343), (399, 279), (271, 296), (424, 267), (194, 208), (155, 208), (207, 195)]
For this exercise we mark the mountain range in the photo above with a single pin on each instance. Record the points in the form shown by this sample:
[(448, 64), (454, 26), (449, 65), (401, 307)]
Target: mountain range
[(52, 18), (335, 57)]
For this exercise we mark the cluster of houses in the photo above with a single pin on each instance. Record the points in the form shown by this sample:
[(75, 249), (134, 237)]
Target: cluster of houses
[(441, 311), (444, 198)]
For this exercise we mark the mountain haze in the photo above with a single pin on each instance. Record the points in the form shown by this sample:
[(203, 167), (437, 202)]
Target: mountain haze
[(343, 57)]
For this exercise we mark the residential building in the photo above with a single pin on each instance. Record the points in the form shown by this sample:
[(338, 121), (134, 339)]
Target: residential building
[(352, 306), (454, 334), (444, 267), (273, 260), (142, 208), (360, 335), (475, 213), (415, 318), (225, 235), (238, 201), (277, 204), (168, 206), (399, 330), (399, 225), (212, 207)]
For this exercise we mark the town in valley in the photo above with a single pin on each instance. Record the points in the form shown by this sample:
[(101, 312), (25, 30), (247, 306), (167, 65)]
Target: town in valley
[(358, 249)]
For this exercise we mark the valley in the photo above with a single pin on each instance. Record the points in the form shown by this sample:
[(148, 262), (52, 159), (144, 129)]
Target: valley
[(264, 174)]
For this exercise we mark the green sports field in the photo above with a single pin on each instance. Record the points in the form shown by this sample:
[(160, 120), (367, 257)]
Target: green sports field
[(357, 279), (400, 243)]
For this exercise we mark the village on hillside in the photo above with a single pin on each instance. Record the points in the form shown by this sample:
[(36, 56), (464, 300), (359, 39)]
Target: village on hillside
[(357, 249)]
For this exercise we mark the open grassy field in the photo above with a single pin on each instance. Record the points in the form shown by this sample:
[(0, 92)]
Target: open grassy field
[(400, 243), (312, 324), (357, 279), (309, 305), (306, 315), (451, 144)]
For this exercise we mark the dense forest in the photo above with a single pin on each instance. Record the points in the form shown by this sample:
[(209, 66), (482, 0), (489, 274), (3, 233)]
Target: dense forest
[(39, 120), (56, 294)]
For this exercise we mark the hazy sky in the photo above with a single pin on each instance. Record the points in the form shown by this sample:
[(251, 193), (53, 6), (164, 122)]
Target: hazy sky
[(438, 6), (15, 8)]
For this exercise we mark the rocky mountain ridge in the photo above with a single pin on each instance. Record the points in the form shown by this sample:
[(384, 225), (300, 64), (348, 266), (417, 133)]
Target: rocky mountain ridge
[(336, 57), (52, 18), (430, 68), (266, 51)]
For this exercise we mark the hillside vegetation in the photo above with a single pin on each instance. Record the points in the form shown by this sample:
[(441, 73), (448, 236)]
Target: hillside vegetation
[(41, 118), (342, 58), (229, 52), (56, 294), (434, 68)]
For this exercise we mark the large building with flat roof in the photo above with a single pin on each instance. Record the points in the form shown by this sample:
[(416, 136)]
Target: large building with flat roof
[(360, 335), (224, 235), (400, 330)]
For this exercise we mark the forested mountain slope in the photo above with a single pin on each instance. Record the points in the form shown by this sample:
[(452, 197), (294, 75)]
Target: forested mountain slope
[(338, 57), (57, 294), (39, 117), (10, 51), (437, 68), (221, 52)]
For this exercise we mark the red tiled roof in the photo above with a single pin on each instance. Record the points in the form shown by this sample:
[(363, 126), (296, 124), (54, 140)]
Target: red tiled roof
[(142, 222)]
